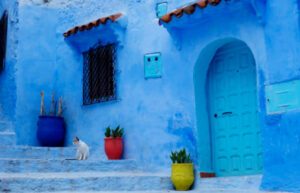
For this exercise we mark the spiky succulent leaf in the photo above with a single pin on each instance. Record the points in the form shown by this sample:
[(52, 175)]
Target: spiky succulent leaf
[(180, 156), (121, 132), (107, 132), (117, 132), (114, 133), (173, 157)]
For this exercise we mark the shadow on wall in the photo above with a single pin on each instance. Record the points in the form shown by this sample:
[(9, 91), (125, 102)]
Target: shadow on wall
[(7, 76), (298, 11), (181, 126)]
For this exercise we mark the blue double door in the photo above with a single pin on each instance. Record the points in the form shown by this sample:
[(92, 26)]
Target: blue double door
[(232, 96)]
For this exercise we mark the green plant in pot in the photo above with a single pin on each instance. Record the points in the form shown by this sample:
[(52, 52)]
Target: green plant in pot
[(113, 143), (182, 175)]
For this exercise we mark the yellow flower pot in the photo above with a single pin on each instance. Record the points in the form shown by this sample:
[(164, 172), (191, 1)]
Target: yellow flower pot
[(182, 176)]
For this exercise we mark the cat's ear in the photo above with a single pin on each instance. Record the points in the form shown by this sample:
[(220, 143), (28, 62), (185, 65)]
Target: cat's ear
[(76, 138)]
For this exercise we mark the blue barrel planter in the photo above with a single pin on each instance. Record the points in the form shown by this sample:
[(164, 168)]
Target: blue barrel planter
[(51, 131)]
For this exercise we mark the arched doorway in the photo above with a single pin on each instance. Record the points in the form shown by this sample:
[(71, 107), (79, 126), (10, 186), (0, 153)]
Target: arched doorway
[(232, 111), (224, 51)]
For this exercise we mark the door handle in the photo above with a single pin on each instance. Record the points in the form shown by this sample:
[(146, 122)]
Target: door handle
[(227, 113)]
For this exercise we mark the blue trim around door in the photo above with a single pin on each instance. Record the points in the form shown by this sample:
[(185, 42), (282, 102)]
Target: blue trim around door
[(232, 105)]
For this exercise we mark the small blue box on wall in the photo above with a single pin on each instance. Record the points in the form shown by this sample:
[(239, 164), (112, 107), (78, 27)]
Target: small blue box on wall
[(161, 9), (283, 97), (153, 65)]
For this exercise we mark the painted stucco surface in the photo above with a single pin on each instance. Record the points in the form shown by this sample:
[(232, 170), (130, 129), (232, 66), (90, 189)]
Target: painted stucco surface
[(159, 115), (200, 54), (281, 141), (7, 77)]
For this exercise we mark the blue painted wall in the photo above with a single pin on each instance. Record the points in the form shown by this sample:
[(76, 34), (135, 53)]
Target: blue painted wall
[(7, 77), (159, 115), (199, 44), (37, 67), (281, 131)]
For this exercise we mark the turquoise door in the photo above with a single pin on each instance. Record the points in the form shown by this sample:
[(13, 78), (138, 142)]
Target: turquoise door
[(236, 136)]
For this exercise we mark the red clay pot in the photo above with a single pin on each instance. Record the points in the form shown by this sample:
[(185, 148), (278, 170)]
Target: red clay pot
[(113, 147)]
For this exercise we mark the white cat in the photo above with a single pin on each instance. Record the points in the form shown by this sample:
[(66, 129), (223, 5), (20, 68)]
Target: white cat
[(82, 149)]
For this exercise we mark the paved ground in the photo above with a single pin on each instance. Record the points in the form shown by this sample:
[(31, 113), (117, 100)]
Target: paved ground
[(192, 191), (245, 184)]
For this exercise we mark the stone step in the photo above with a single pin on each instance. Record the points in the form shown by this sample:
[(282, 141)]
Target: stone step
[(4, 126), (83, 181), (62, 165), (7, 138), (251, 182), (173, 191), (240, 184), (234, 184), (37, 152)]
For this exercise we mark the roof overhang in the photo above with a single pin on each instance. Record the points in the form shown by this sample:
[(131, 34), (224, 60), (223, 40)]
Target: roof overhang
[(105, 30), (189, 9), (202, 11)]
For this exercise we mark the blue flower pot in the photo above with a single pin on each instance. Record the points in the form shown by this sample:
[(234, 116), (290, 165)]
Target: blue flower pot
[(51, 131)]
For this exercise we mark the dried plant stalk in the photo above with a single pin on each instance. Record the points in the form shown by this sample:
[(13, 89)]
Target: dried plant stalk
[(42, 108), (60, 108), (53, 105)]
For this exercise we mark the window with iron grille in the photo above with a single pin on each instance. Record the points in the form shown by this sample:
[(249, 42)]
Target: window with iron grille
[(3, 39), (99, 74)]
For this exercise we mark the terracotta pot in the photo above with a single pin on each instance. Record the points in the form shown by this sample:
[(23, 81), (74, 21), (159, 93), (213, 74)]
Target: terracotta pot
[(182, 176), (113, 147)]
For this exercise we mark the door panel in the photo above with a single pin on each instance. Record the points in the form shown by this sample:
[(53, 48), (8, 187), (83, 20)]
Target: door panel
[(236, 137)]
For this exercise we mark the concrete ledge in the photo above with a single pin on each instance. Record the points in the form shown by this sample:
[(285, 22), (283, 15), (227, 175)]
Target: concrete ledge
[(62, 165), (81, 181), (7, 138), (33, 152), (36, 152), (172, 191), (5, 126)]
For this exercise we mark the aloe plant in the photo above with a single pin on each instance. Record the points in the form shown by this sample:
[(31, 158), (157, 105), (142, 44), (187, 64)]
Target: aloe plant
[(180, 156), (117, 132)]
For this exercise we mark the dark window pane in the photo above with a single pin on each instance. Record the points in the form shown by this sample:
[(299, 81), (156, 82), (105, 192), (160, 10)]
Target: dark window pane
[(98, 75)]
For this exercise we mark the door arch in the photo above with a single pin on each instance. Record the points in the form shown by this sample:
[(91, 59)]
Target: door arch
[(232, 111)]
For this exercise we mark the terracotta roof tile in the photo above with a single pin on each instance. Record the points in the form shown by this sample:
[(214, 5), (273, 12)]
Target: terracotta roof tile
[(92, 24), (189, 9)]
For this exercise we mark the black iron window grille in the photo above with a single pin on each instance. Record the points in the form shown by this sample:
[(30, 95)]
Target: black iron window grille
[(3, 39), (99, 84)]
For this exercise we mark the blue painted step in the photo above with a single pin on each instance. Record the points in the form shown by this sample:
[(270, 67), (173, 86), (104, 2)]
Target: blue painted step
[(45, 152), (233, 183), (61, 165), (240, 184), (7, 138), (218, 190), (83, 181), (5, 126), (36, 152)]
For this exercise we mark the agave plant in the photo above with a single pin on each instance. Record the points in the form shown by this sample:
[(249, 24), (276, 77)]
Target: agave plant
[(117, 132), (180, 156), (107, 132)]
